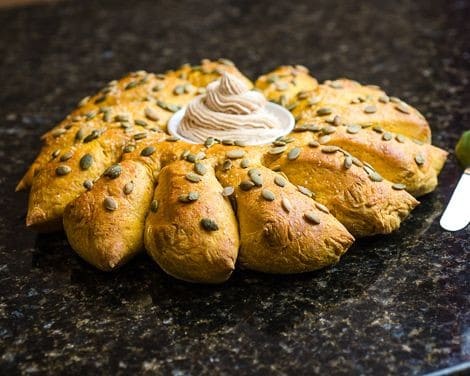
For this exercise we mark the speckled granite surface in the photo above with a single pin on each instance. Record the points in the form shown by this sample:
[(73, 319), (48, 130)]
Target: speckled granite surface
[(394, 305)]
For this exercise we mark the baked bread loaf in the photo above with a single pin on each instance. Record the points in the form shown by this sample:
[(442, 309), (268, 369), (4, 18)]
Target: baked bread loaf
[(111, 176)]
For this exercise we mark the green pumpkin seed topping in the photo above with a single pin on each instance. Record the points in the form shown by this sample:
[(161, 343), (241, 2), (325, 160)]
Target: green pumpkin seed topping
[(199, 168), (90, 115), (62, 170), (312, 218), (268, 195), (280, 181), (122, 118), (245, 163), (353, 128), (307, 192), (348, 161), (66, 156), (227, 165), (387, 136), (330, 149), (110, 203), (178, 90), (83, 101), (400, 138), (79, 135), (154, 206), (58, 132), (129, 148), (324, 111), (328, 129), (209, 142), (140, 136), (384, 99), (419, 159), (235, 153), (151, 114), (293, 154), (336, 85), (398, 186), (193, 178), (209, 224), (55, 153), (92, 136), (314, 144), (377, 129), (128, 188), (403, 108), (148, 151), (286, 205), (88, 184), (113, 171), (141, 123), (190, 197), (357, 162), (371, 109), (131, 85), (373, 175), (246, 185), (255, 176), (324, 139), (227, 142), (228, 191), (322, 208), (86, 161), (240, 143), (172, 139), (190, 157)]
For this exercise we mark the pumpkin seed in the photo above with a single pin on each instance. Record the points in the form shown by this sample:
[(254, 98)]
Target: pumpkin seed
[(148, 151), (58, 132), (79, 135), (228, 142), (227, 165), (190, 197), (378, 129), (337, 121), (277, 150), (400, 138), (246, 185), (280, 181), (140, 136), (293, 154), (66, 156), (191, 157), (403, 108), (419, 159), (305, 191), (240, 143), (387, 136), (384, 99), (348, 161), (330, 149), (313, 144), (128, 188), (193, 178), (131, 85), (328, 130), (141, 123), (268, 195), (129, 148), (324, 111), (324, 139), (151, 114), (172, 139), (55, 153), (86, 161), (357, 162), (322, 208), (83, 102), (235, 154), (370, 109), (353, 128), (200, 168), (228, 191), (62, 170), (209, 224), (245, 163), (88, 184), (286, 205), (154, 206), (178, 90), (113, 171), (92, 136), (209, 142), (110, 204), (312, 218), (398, 186)]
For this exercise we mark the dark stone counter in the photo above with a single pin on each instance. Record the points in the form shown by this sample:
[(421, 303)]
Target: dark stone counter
[(395, 304)]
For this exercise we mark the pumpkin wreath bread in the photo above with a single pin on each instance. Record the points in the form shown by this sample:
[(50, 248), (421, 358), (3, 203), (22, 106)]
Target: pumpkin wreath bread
[(115, 180)]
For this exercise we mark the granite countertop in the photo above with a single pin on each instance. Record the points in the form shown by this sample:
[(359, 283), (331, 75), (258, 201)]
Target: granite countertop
[(395, 304)]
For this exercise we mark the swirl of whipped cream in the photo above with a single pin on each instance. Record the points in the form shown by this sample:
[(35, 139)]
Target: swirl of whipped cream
[(229, 110)]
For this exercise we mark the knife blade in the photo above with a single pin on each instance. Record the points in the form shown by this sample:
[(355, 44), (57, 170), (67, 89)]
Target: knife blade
[(457, 213)]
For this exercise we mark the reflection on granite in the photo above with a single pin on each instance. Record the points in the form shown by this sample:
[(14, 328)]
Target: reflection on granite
[(394, 305)]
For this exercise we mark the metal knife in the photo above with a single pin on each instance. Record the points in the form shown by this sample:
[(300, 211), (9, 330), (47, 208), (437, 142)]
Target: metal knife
[(457, 214)]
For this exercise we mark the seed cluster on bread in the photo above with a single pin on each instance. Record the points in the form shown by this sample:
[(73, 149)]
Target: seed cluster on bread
[(112, 177)]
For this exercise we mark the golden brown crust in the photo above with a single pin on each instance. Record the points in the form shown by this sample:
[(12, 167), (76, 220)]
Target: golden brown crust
[(176, 233), (282, 229), (275, 235), (105, 225), (364, 206)]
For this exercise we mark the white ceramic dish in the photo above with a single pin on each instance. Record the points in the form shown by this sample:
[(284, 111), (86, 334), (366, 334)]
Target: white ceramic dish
[(285, 117)]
